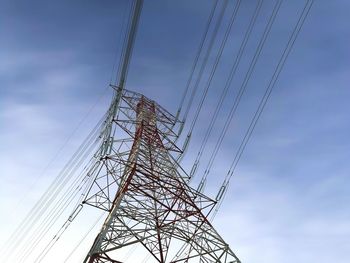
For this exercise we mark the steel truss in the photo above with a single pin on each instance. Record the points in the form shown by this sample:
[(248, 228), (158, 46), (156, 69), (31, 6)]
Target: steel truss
[(150, 204)]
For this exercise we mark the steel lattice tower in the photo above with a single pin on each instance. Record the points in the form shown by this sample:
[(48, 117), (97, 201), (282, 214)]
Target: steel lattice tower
[(154, 207), (138, 180)]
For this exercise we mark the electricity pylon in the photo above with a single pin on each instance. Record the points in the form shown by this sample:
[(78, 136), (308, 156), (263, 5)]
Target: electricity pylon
[(139, 181), (154, 207)]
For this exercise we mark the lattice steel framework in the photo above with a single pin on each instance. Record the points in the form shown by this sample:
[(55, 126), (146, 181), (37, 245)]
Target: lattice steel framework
[(138, 180)]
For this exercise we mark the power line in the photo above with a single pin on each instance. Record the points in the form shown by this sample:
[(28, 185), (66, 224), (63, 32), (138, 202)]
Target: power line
[(124, 24), (46, 198), (212, 73), (205, 59), (52, 192), (280, 65), (199, 51), (60, 181), (83, 238), (241, 91), (57, 210), (216, 62), (50, 163), (129, 43), (227, 86)]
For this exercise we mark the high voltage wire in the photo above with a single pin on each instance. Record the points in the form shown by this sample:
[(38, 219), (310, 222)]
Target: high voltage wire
[(129, 43), (59, 183), (55, 213), (265, 97), (125, 39), (43, 205), (33, 211), (67, 140), (215, 65), (44, 201), (205, 59), (227, 86), (67, 200), (67, 197), (83, 238), (126, 54), (124, 24), (199, 51), (57, 210), (211, 75), (14, 234), (240, 92)]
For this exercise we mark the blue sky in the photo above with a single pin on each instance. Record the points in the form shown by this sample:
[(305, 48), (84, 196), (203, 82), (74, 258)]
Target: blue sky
[(289, 198)]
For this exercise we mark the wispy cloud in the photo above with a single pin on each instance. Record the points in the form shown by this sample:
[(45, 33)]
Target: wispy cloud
[(289, 198)]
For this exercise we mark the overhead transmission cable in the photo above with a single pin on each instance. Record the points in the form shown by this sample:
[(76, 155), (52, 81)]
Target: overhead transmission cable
[(65, 202), (54, 215), (211, 75), (51, 193), (15, 233), (45, 199), (56, 238), (263, 101), (240, 93), (215, 65), (125, 43), (199, 76), (29, 215), (66, 142), (66, 198), (126, 55), (129, 43), (83, 238), (195, 62), (205, 59), (124, 29), (227, 86)]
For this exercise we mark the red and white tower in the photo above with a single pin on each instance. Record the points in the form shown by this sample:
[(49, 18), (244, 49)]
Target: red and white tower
[(154, 207)]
